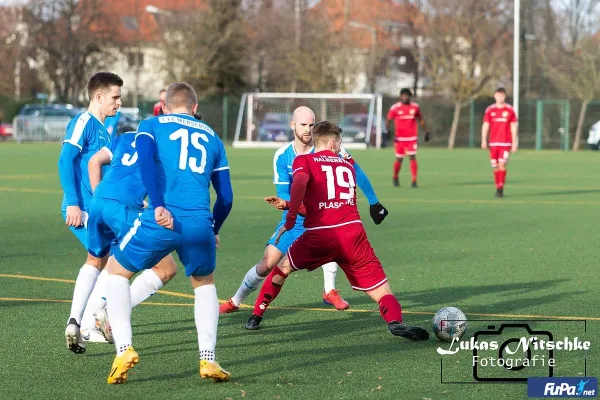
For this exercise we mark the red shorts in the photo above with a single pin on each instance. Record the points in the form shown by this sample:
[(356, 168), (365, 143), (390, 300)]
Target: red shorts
[(348, 246), (406, 147), (499, 154)]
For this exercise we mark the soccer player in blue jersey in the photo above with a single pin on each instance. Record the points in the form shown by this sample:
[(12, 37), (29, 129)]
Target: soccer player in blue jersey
[(85, 136), (118, 200), (179, 157), (302, 122)]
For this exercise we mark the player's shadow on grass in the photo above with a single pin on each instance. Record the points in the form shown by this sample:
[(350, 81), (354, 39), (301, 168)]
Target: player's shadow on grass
[(434, 298)]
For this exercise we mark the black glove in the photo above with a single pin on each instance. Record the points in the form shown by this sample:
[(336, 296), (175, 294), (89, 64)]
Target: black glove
[(378, 213), (427, 136)]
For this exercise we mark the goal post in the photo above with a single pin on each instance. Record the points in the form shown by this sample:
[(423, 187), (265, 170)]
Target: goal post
[(264, 118)]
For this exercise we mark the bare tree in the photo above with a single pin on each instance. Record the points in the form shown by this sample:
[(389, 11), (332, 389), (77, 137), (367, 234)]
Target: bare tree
[(69, 37), (466, 42), (580, 77), (208, 49)]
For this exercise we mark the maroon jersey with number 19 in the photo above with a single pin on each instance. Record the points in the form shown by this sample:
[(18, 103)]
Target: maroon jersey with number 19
[(330, 198), (334, 231)]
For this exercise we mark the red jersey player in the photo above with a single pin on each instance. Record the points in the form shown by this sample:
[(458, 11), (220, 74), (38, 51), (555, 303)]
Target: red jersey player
[(324, 184), (405, 114), (158, 106), (500, 121)]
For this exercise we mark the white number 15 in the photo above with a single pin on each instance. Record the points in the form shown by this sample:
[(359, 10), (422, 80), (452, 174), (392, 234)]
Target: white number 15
[(184, 160)]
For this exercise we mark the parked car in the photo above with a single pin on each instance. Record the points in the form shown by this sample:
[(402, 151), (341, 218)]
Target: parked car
[(354, 127), (6, 131), (275, 127), (43, 122), (49, 110), (594, 136)]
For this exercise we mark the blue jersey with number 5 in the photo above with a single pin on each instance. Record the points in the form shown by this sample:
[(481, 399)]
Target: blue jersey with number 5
[(188, 152), (122, 182)]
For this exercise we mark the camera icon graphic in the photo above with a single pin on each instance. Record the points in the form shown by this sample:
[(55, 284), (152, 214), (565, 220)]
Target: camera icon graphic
[(504, 354)]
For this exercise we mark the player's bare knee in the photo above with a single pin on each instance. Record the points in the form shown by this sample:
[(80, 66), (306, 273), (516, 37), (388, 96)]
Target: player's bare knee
[(270, 259), (399, 159), (377, 294), (502, 167), (166, 269), (198, 281), (95, 262)]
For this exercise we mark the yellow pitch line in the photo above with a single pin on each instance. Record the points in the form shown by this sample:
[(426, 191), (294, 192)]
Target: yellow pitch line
[(244, 306)]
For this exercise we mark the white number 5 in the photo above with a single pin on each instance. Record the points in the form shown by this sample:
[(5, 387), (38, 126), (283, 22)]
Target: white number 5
[(184, 160), (344, 179)]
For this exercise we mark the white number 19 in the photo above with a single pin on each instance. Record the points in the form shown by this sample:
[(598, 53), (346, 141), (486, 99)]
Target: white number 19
[(184, 160), (343, 178)]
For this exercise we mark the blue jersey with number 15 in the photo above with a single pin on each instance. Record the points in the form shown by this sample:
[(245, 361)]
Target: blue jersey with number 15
[(122, 182), (188, 151)]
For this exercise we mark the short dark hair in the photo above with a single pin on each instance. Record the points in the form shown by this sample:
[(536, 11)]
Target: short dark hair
[(406, 91), (500, 90), (162, 90), (325, 130), (102, 81), (181, 94)]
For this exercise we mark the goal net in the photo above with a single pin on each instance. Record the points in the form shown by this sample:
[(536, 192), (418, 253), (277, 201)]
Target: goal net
[(264, 118)]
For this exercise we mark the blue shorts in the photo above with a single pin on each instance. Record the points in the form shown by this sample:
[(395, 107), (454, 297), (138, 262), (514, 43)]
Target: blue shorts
[(108, 222), (287, 238), (81, 231), (145, 243)]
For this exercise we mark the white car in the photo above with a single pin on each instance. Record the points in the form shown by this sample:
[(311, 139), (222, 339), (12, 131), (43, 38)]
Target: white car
[(594, 137)]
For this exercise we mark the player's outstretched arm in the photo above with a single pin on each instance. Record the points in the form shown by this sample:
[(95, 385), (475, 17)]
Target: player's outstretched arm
[(68, 181), (221, 181), (377, 211), (101, 158)]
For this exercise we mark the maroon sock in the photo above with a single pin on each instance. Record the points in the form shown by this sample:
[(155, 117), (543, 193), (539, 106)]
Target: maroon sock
[(413, 169), (268, 292), (397, 166), (390, 309)]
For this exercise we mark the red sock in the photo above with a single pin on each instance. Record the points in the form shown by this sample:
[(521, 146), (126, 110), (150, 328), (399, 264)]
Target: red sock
[(397, 166), (390, 309), (502, 178), (268, 292), (497, 178), (413, 169)]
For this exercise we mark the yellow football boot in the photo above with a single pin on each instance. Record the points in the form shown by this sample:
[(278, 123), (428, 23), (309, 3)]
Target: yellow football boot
[(122, 364), (212, 370)]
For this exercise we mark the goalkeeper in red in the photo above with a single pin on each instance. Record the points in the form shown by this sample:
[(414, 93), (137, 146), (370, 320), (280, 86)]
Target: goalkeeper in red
[(324, 187), (500, 120)]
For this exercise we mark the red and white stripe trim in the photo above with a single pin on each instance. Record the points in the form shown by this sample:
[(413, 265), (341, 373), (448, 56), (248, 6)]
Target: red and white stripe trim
[(406, 139), (358, 221), (372, 287)]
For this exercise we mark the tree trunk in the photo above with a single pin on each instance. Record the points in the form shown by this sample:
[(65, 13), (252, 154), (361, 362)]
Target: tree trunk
[(454, 128), (580, 121)]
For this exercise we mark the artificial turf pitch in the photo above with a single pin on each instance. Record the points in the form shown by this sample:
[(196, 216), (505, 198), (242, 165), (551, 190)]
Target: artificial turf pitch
[(530, 256)]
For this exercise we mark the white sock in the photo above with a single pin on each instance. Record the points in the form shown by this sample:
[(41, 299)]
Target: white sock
[(206, 315), (86, 279), (96, 301), (118, 306), (329, 272), (250, 283), (144, 286)]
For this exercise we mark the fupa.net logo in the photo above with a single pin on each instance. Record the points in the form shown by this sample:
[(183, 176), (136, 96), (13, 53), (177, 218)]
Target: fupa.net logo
[(562, 387)]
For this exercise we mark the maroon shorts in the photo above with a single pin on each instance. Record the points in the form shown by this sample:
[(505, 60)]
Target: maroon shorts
[(348, 246)]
